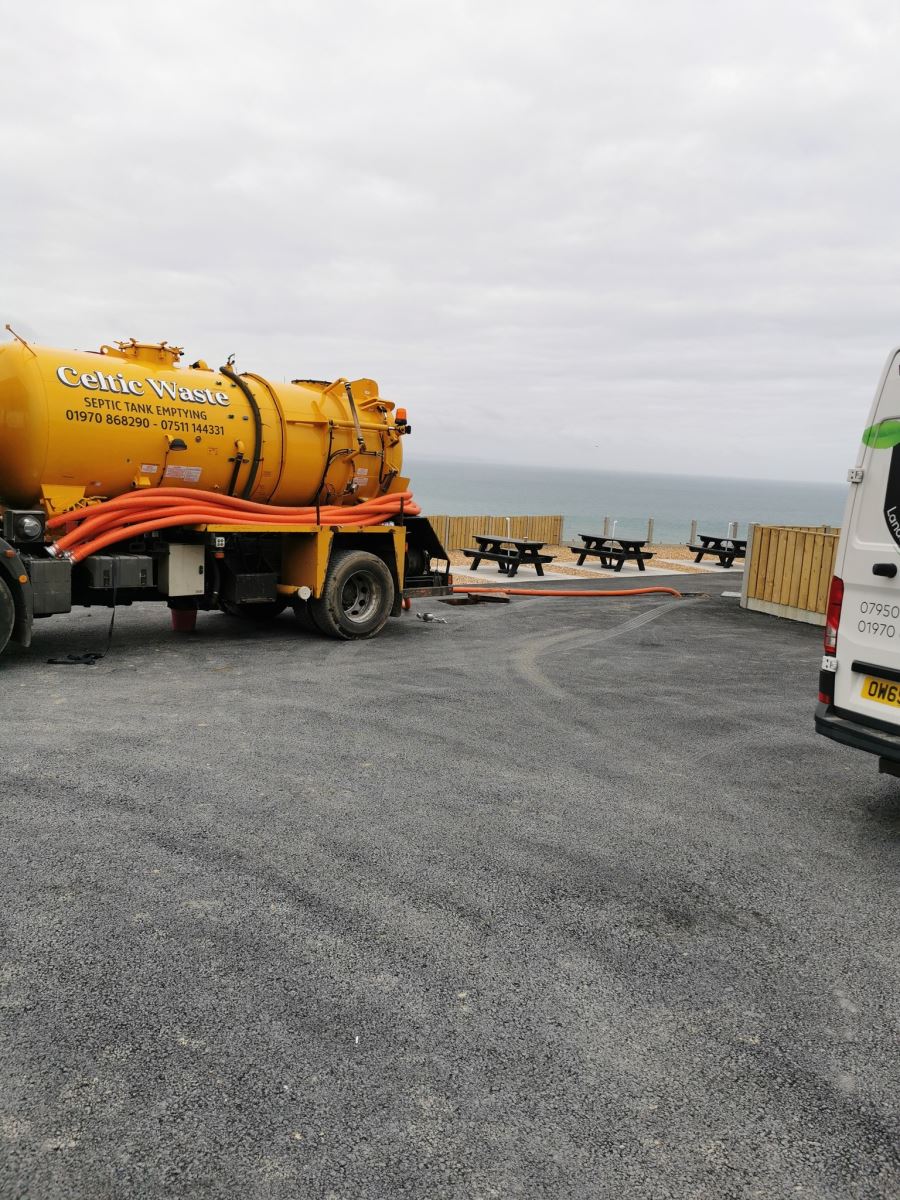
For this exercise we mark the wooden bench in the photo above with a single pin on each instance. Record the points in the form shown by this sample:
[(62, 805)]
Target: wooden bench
[(509, 562), (581, 551), (503, 557), (612, 550), (620, 557), (726, 549), (508, 553)]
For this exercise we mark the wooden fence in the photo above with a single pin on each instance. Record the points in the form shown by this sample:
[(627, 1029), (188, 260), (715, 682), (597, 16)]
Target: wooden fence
[(789, 569), (457, 532)]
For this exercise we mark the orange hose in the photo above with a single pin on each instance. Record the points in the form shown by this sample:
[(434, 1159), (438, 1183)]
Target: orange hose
[(482, 591), (174, 496), (200, 511), (136, 513), (200, 517)]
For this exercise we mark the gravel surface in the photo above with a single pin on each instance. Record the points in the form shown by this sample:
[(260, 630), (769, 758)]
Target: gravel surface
[(562, 898)]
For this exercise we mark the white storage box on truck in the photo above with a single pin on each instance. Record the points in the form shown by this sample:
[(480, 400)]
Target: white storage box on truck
[(859, 683)]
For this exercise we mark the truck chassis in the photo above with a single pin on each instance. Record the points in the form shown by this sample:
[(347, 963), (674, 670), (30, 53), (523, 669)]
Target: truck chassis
[(341, 581)]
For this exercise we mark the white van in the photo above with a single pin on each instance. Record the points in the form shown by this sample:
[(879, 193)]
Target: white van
[(859, 684)]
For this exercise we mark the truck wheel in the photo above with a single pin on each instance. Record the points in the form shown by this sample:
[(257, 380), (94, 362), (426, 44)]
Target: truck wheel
[(7, 613), (267, 611), (358, 596)]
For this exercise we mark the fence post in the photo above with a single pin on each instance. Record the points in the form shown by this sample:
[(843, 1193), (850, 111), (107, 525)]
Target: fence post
[(606, 527), (748, 561), (692, 540), (732, 530), (649, 531)]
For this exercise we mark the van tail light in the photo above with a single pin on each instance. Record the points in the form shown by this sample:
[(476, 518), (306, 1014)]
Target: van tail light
[(833, 614), (832, 621)]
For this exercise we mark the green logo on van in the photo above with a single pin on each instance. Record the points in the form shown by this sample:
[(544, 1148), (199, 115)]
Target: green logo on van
[(883, 435)]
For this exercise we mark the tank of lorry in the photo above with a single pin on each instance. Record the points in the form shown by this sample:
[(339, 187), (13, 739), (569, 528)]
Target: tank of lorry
[(77, 424)]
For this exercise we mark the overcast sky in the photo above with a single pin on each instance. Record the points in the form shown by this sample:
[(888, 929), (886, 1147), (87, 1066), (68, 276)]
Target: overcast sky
[(650, 236)]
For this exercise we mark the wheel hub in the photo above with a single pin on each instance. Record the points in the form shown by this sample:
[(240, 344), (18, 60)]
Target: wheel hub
[(359, 597)]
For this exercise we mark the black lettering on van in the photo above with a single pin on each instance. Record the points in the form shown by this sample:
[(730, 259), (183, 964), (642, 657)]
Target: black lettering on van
[(892, 496)]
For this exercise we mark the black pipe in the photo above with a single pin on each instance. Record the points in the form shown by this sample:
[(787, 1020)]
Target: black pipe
[(257, 441), (232, 482), (361, 441), (327, 461)]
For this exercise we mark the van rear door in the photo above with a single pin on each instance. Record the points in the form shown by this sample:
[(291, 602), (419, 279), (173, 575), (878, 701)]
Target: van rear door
[(867, 682)]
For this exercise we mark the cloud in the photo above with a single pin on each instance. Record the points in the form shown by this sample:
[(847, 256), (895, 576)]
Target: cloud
[(664, 231)]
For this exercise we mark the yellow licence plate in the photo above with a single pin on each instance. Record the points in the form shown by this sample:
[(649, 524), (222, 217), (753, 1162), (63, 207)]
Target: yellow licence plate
[(881, 690)]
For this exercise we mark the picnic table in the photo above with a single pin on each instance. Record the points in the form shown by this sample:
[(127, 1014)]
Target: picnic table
[(613, 552), (726, 549), (509, 553)]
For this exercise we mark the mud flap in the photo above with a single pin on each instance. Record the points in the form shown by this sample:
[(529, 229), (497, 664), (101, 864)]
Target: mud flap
[(13, 569)]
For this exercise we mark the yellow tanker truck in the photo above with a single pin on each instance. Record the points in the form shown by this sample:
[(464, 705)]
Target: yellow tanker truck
[(126, 477)]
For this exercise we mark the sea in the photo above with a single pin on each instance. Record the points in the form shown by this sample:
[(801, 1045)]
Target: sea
[(585, 497)]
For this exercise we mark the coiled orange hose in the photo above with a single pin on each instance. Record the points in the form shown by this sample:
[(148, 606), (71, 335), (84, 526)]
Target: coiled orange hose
[(172, 496), (93, 528), (198, 510)]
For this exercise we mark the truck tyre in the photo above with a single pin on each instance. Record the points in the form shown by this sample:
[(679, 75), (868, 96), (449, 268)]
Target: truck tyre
[(267, 611), (357, 598), (7, 613)]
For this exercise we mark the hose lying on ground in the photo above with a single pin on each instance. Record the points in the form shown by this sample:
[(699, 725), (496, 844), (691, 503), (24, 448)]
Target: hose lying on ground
[(96, 526), (485, 591)]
